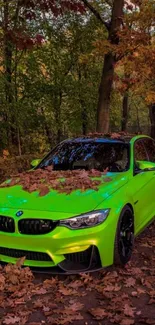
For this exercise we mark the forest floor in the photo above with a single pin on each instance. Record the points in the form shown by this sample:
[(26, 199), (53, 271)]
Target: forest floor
[(117, 296)]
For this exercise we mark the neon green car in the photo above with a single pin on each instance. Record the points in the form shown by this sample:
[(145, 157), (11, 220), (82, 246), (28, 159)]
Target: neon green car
[(85, 230)]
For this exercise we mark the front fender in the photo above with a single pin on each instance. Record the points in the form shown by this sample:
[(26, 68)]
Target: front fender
[(116, 202)]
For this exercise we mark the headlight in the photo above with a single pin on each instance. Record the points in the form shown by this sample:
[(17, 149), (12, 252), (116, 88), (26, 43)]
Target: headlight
[(86, 220)]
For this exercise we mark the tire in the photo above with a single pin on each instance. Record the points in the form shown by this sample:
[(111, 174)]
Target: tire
[(124, 240)]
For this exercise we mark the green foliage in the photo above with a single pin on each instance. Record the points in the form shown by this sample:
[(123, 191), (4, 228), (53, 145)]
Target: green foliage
[(54, 85)]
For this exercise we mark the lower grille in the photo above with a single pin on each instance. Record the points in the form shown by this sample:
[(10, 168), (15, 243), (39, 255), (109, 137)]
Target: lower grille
[(7, 224), (36, 226), (17, 253), (80, 257)]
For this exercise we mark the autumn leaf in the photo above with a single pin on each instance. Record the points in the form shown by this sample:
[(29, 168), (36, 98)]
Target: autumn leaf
[(127, 321), (134, 293), (76, 284), (99, 313), (111, 288), (76, 306), (46, 309), (2, 282), (105, 171), (20, 261), (14, 279), (107, 179), (86, 277), (65, 320), (115, 135), (128, 310), (9, 320), (65, 291), (130, 282), (43, 190), (149, 321), (61, 181), (40, 291), (141, 291), (5, 153), (33, 188)]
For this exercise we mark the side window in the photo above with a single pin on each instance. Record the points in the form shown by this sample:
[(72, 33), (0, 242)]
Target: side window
[(150, 148), (140, 153)]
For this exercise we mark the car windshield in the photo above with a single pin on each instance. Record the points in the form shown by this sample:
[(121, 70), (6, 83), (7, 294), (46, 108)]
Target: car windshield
[(113, 156)]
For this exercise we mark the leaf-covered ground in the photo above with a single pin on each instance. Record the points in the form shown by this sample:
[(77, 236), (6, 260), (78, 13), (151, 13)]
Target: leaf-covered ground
[(115, 296)]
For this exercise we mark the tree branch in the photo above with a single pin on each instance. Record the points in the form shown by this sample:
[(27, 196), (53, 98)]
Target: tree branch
[(96, 14)]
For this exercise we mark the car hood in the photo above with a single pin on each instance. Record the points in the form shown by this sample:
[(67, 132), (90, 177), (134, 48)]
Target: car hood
[(77, 202)]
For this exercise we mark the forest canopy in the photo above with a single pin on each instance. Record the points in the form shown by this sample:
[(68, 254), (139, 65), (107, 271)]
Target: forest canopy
[(74, 67)]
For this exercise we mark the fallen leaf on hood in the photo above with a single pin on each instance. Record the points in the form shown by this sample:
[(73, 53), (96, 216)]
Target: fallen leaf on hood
[(62, 181), (20, 261), (107, 179), (43, 190), (105, 171), (14, 279)]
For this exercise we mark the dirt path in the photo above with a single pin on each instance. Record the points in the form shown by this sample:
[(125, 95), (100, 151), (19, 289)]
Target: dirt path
[(119, 296)]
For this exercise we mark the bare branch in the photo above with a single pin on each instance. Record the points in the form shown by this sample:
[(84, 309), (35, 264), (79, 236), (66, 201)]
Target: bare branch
[(96, 14)]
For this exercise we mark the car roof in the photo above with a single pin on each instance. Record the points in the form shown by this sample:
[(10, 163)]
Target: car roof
[(108, 138)]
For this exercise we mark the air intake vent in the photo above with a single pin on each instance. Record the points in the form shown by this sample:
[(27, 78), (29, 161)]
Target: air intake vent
[(17, 253)]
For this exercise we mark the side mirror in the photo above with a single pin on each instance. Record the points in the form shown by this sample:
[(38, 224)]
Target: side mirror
[(145, 165), (35, 162)]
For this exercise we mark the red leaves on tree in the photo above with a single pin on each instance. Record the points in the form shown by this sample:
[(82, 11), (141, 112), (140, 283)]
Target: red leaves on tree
[(55, 6), (20, 36)]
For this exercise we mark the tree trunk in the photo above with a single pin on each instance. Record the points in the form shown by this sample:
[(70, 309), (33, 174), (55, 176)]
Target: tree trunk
[(57, 108), (84, 117), (103, 108), (138, 120), (152, 119), (8, 69), (125, 111), (47, 128), (84, 121)]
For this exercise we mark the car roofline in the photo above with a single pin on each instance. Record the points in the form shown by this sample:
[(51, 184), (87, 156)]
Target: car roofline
[(138, 137), (123, 139)]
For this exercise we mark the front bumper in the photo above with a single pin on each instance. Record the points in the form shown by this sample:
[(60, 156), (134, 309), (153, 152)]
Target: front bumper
[(63, 248), (88, 260)]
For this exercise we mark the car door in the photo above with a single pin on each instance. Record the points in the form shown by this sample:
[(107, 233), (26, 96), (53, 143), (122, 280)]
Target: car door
[(142, 189), (150, 149)]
